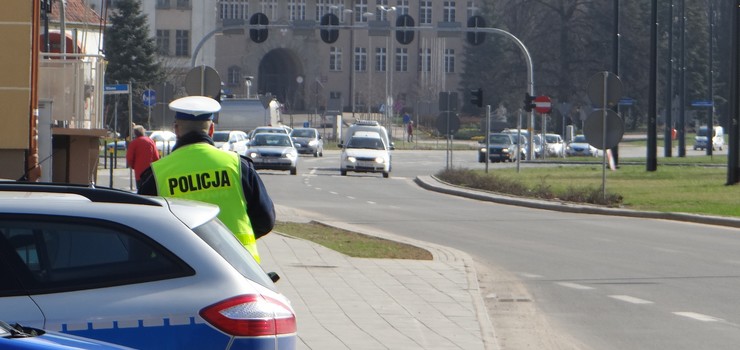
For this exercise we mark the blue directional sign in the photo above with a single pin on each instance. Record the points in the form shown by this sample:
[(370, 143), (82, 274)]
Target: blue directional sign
[(626, 101), (115, 89), (149, 97), (702, 103)]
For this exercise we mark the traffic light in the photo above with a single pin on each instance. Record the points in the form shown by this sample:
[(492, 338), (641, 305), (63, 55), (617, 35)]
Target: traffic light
[(476, 97), (404, 37), (528, 102), (476, 38), (258, 35), (329, 36)]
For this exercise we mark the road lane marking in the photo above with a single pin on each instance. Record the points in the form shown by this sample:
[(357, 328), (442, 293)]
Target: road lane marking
[(332, 192), (698, 317), (630, 299), (530, 275), (574, 285), (370, 202)]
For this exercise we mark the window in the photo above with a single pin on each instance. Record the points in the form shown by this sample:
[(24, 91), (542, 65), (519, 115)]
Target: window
[(425, 12), (402, 7), (68, 255), (425, 60), (297, 10), (163, 42), (270, 8), (449, 61), (234, 76), (472, 9), (402, 59), (360, 9), (380, 59), (163, 4), (360, 59), (183, 4), (335, 95), (328, 6), (380, 14), (233, 9), (448, 11), (182, 43), (335, 59)]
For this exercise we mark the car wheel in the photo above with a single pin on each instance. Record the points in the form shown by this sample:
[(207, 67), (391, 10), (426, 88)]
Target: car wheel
[(343, 172), (386, 174), (321, 154), (316, 154), (293, 171)]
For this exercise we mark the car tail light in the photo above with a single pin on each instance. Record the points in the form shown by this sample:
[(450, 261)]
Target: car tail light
[(251, 315)]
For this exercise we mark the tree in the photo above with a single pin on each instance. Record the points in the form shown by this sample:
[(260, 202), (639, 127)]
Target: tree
[(131, 56)]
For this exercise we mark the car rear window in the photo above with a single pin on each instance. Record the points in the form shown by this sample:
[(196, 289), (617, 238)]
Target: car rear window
[(218, 236), (59, 254)]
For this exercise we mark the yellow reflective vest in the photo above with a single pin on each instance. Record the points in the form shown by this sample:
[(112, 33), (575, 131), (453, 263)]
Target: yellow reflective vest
[(204, 173)]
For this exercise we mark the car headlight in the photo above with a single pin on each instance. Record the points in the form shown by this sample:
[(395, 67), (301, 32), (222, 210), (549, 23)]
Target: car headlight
[(254, 155), (289, 155), (380, 160), (313, 143), (505, 150), (351, 159), (483, 150)]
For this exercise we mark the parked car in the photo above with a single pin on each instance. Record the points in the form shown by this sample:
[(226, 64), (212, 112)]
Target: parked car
[(18, 337), (143, 272), (164, 139), (536, 151), (502, 147), (273, 151), (580, 147), (231, 140), (555, 145), (365, 152), (308, 141)]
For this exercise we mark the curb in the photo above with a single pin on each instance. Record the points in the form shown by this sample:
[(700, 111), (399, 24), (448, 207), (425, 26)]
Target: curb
[(434, 184)]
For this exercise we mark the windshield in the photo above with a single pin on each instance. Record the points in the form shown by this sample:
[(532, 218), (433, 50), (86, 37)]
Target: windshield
[(365, 142), (552, 139), (216, 235), (220, 136), (580, 139), (500, 139), (271, 140), (303, 133)]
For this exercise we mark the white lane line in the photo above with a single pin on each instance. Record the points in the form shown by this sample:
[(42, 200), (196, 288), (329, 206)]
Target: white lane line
[(332, 192), (698, 317), (350, 197), (370, 202), (630, 299), (574, 285), (530, 275), (317, 188)]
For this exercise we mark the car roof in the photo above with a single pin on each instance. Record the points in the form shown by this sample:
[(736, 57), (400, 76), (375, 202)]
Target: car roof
[(368, 134)]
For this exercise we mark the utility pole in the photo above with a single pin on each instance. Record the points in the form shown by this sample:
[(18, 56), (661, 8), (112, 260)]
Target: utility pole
[(668, 132)]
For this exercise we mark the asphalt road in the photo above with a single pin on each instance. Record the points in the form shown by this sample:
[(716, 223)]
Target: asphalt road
[(552, 280)]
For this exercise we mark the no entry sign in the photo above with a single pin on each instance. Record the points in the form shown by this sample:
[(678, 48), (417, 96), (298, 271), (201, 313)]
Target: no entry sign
[(542, 104)]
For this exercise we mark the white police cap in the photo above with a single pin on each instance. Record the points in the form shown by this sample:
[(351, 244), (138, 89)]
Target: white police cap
[(195, 108)]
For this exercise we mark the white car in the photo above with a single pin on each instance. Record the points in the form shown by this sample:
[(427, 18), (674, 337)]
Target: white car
[(231, 140), (270, 129), (555, 145), (143, 272), (365, 152), (580, 147), (164, 139), (273, 151)]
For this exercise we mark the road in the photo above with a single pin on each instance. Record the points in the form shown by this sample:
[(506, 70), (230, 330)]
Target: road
[(566, 280)]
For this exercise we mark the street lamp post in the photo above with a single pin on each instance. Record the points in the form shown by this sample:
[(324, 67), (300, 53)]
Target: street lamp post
[(389, 70)]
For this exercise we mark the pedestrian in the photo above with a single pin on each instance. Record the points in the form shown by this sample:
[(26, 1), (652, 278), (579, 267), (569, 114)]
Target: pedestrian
[(140, 153), (410, 131), (197, 170)]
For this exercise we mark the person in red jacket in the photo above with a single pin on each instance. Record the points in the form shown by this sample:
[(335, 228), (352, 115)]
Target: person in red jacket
[(141, 152)]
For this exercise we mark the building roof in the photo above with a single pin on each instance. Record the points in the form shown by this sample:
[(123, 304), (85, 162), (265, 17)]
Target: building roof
[(76, 11)]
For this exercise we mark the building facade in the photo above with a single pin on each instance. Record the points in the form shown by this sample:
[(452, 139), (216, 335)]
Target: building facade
[(365, 70)]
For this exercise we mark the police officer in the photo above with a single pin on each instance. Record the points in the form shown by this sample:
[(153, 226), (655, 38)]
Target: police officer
[(197, 170)]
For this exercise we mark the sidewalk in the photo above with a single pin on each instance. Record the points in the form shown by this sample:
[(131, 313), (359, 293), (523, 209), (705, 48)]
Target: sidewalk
[(353, 303)]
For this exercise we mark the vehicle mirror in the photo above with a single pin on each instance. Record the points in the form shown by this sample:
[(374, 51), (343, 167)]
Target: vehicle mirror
[(340, 145)]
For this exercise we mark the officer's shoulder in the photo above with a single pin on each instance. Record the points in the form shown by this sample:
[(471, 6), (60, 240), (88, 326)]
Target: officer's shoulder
[(246, 160)]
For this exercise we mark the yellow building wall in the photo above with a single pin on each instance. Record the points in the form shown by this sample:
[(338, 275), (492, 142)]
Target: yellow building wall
[(15, 81)]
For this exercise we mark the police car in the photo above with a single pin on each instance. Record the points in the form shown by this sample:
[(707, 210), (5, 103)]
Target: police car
[(142, 272)]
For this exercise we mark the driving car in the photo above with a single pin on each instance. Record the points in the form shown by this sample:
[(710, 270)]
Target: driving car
[(365, 152), (231, 140), (273, 151), (555, 145), (134, 270), (502, 147), (308, 141), (270, 129), (580, 147), (701, 139)]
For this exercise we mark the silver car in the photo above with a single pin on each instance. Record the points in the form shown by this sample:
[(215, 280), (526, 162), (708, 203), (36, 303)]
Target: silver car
[(273, 151), (308, 141)]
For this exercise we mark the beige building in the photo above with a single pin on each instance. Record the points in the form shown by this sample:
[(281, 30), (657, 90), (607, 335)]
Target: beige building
[(363, 70)]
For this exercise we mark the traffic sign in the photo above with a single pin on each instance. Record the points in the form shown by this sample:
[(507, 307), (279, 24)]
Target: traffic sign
[(542, 104), (702, 103), (448, 123), (626, 101), (203, 81), (594, 129), (604, 89), (115, 89), (149, 97)]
